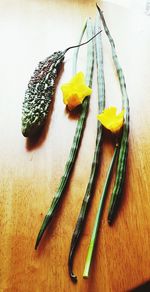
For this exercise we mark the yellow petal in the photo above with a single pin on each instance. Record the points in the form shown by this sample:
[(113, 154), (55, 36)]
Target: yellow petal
[(110, 112), (110, 120), (75, 91), (78, 78)]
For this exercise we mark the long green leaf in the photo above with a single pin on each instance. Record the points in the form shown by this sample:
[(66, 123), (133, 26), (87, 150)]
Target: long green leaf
[(95, 164), (121, 168), (76, 141), (99, 216)]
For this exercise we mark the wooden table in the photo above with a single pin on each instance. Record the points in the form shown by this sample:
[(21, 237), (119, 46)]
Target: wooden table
[(30, 171)]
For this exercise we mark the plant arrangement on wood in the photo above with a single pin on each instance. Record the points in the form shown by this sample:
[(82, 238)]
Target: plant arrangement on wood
[(76, 93)]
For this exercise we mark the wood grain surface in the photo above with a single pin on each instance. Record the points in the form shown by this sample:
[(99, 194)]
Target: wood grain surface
[(30, 170)]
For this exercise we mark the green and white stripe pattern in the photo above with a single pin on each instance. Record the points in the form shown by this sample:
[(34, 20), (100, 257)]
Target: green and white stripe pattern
[(99, 216), (76, 141), (121, 168), (89, 191)]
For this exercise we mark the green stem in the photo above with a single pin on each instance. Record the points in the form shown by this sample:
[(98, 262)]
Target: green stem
[(121, 168), (99, 216), (76, 142), (96, 161), (76, 52)]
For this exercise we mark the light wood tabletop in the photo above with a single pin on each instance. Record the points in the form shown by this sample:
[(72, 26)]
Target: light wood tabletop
[(30, 170)]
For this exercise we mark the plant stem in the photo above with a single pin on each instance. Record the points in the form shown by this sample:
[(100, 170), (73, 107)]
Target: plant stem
[(99, 216), (76, 141), (76, 52), (121, 168), (95, 163)]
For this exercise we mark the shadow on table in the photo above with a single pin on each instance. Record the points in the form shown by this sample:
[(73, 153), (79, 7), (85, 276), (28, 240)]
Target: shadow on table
[(142, 288)]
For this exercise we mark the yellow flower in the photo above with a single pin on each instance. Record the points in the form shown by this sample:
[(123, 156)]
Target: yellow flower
[(75, 91), (110, 120)]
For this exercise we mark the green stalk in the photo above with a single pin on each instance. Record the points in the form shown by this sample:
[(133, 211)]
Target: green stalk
[(98, 217), (76, 141), (121, 168), (95, 164), (76, 52)]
